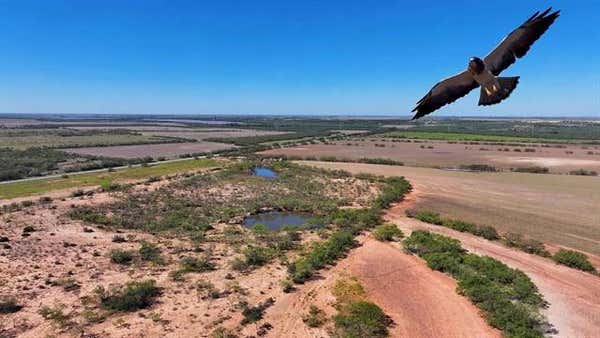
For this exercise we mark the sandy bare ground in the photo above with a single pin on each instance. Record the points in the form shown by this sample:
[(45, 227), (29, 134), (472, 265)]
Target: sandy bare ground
[(443, 154), (556, 209), (573, 296)]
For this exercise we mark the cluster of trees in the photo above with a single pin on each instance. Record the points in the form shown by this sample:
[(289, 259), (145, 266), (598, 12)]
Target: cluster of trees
[(16, 164), (509, 299)]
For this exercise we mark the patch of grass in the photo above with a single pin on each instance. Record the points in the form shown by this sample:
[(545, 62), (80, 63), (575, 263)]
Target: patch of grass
[(130, 297), (55, 314), (427, 217), (507, 297), (150, 252), (575, 260), (120, 256), (27, 188), (387, 232), (528, 245), (361, 319), (315, 317), (255, 313), (348, 290), (192, 264), (357, 317)]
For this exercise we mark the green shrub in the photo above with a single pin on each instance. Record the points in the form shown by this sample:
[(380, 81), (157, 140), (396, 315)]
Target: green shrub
[(423, 242), (508, 298), (151, 252), (528, 245), (194, 264), (55, 314), (574, 259), (259, 229), (361, 319), (315, 317), (487, 232), (255, 313), (130, 297), (221, 332), (429, 217), (321, 255), (120, 256), (458, 225), (387, 232), (257, 256)]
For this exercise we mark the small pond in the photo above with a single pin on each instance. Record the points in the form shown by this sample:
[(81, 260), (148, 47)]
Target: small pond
[(275, 220), (264, 172)]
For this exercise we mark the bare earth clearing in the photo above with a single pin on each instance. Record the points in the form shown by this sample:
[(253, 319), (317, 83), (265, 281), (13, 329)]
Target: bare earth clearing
[(452, 155), (169, 150), (557, 209)]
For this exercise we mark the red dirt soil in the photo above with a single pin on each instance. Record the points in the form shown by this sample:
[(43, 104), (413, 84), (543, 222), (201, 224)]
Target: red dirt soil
[(573, 295), (421, 302)]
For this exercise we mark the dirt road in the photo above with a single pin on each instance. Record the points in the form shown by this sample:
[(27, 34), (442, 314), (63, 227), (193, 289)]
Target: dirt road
[(574, 296), (422, 302)]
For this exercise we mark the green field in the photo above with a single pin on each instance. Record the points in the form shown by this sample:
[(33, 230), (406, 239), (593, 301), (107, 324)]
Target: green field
[(35, 187), (467, 137)]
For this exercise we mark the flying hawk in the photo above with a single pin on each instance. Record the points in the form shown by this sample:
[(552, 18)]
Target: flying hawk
[(485, 72)]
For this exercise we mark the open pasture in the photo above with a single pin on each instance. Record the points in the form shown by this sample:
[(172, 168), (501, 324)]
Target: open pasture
[(167, 150), (557, 209)]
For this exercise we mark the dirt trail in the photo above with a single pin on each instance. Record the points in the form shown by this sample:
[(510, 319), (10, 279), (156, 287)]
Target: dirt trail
[(574, 296), (422, 302)]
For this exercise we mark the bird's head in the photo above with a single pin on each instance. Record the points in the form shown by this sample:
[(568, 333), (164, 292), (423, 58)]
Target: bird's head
[(476, 65)]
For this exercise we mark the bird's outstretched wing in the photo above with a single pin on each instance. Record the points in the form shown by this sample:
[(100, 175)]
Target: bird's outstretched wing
[(517, 43), (444, 92)]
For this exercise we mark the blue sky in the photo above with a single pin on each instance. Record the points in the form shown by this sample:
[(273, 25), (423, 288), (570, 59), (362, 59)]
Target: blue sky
[(284, 57)]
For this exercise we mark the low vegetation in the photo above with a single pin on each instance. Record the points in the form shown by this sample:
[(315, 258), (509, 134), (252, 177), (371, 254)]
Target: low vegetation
[(387, 232), (508, 298), (349, 222), (356, 316), (488, 232), (119, 256), (575, 260), (27, 188), (129, 297), (315, 317)]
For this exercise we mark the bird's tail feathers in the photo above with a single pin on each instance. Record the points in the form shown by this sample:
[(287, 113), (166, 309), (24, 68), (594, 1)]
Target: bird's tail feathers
[(490, 96)]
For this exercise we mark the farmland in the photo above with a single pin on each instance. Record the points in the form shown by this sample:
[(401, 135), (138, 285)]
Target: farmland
[(560, 210), (41, 186), (454, 155), (167, 150), (406, 229), (59, 138)]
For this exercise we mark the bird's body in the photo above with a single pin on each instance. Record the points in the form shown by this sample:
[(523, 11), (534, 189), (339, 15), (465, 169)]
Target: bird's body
[(484, 72)]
